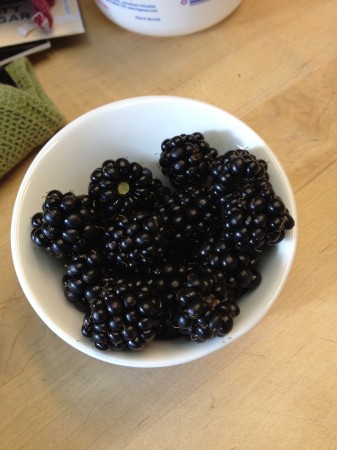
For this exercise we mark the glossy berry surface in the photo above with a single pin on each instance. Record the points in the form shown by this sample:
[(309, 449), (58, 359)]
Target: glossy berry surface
[(255, 217), (137, 242), (126, 315), (120, 186), (84, 278), (186, 159), (233, 170), (190, 214), (66, 225), (147, 259)]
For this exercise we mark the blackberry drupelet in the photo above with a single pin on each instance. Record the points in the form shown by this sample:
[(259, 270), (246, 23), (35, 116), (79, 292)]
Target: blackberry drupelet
[(125, 317), (233, 170), (146, 261), (136, 242), (238, 271), (186, 159), (66, 225), (120, 187), (189, 216), (200, 314), (159, 192), (84, 278), (168, 277), (255, 218)]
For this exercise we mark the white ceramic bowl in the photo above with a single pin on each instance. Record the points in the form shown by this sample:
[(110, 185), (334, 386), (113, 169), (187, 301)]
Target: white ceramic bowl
[(134, 128)]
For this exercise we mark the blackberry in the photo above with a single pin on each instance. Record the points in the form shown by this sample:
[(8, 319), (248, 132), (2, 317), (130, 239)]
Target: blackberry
[(84, 278), (255, 217), (135, 242), (233, 170), (190, 215), (186, 159), (170, 280), (66, 225), (159, 191), (168, 276), (144, 260), (199, 313), (197, 295), (237, 271), (120, 187), (126, 316)]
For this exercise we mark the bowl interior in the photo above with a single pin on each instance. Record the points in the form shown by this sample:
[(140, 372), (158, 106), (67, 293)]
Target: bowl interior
[(135, 128)]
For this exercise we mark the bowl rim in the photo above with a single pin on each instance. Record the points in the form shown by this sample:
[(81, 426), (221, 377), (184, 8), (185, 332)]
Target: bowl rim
[(15, 247)]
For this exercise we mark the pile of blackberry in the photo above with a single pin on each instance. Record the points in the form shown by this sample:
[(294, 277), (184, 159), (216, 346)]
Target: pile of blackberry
[(156, 259)]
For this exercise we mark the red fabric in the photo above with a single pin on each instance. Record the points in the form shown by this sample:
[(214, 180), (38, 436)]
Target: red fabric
[(42, 15)]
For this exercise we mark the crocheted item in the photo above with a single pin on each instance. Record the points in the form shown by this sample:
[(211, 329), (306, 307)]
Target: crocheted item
[(28, 116), (42, 13)]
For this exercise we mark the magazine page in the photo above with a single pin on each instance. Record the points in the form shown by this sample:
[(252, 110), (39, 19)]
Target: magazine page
[(18, 27), (12, 52)]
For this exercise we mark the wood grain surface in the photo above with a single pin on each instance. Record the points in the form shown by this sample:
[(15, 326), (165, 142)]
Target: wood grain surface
[(273, 64)]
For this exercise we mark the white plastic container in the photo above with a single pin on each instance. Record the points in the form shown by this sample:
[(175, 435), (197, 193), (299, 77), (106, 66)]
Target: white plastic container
[(166, 17)]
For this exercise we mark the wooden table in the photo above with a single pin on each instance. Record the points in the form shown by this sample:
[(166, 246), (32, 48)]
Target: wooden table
[(273, 64)]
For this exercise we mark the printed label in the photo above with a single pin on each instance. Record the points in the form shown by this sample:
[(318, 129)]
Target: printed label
[(147, 11), (193, 2), (139, 7), (143, 11)]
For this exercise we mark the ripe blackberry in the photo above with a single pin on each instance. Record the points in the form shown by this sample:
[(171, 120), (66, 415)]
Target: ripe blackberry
[(168, 277), (199, 313), (236, 270), (126, 315), (159, 191), (120, 187), (146, 261), (255, 217), (190, 215), (84, 278), (186, 159), (233, 170), (135, 242), (66, 225)]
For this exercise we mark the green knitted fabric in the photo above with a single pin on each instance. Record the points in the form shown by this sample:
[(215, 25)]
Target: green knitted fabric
[(28, 118)]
